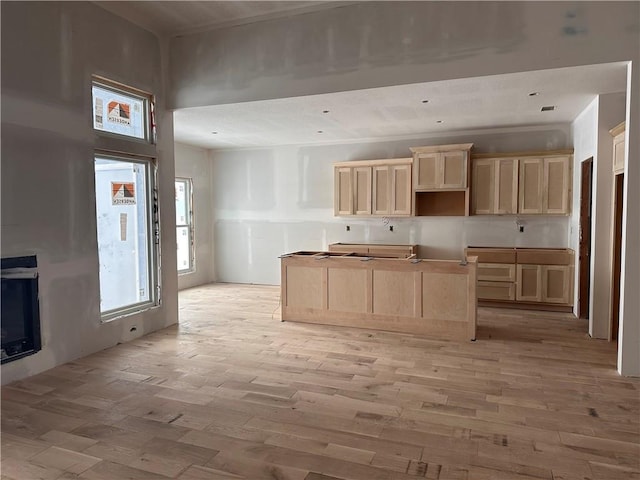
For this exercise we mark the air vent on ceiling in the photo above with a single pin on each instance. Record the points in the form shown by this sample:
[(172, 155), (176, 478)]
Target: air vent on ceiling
[(549, 108)]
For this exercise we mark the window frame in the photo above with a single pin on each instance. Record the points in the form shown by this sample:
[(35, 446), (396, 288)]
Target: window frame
[(190, 225), (152, 231), (148, 102)]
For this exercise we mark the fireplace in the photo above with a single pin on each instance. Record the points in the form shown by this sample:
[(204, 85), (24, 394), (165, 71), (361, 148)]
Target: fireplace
[(20, 320)]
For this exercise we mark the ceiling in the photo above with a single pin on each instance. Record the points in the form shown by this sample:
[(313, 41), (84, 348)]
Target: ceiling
[(402, 111), (173, 18)]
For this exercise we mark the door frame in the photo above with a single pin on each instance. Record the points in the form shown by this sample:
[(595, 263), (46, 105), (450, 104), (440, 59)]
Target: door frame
[(584, 238), (616, 266)]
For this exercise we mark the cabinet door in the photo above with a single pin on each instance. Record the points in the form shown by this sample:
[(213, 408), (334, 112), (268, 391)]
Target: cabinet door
[(400, 190), (427, 171), (453, 169), (343, 191), (362, 190), (530, 192), (483, 186), (556, 283), (618, 154), (506, 186), (529, 285), (555, 198), (381, 183)]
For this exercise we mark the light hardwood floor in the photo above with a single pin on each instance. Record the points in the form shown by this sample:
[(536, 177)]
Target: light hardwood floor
[(233, 393)]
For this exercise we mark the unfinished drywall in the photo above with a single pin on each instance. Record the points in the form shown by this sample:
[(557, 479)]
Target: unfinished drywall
[(193, 162), (592, 140), (276, 200), (374, 44), (629, 334), (49, 52)]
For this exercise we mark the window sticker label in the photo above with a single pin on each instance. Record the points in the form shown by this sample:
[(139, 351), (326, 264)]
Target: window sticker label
[(123, 193), (119, 112)]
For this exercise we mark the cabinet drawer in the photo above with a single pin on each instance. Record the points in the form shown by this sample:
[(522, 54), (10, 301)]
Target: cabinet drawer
[(543, 257), (497, 272), (493, 255), (496, 290)]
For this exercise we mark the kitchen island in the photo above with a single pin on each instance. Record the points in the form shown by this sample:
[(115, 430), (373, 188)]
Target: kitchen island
[(435, 298)]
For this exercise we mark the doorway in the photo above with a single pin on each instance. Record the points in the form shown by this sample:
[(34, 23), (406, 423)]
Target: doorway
[(618, 190), (584, 253)]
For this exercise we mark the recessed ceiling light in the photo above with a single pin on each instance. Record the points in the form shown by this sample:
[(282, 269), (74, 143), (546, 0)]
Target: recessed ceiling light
[(320, 131), (425, 101), (215, 133), (548, 108), (325, 111), (439, 121), (534, 94)]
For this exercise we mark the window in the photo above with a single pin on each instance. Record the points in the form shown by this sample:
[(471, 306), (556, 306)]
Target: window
[(120, 110), (126, 251), (184, 225), (126, 199)]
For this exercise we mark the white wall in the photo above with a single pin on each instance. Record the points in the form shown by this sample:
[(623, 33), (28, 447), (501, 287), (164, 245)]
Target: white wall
[(276, 200), (629, 334), (375, 44), (49, 51), (193, 162), (592, 139)]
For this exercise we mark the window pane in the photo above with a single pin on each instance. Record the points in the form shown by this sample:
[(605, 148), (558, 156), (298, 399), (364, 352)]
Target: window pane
[(184, 248), (123, 233), (182, 207), (119, 113)]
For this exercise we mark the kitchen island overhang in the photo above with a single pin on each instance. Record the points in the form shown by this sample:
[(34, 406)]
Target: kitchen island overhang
[(433, 298)]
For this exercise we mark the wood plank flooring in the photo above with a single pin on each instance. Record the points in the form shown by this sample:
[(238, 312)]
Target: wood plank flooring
[(233, 393)]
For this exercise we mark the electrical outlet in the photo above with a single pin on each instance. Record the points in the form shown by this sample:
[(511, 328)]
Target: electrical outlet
[(348, 228)]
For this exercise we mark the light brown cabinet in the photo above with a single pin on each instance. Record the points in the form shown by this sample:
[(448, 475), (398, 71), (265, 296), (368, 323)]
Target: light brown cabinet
[(544, 186), (427, 297), (441, 167), (618, 133), (529, 185), (531, 276), (495, 186), (544, 283), (373, 187), (441, 180)]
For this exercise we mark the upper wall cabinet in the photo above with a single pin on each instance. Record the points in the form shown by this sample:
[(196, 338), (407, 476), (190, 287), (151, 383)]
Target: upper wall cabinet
[(618, 148), (545, 185), (373, 187), (441, 167), (495, 186), (539, 185)]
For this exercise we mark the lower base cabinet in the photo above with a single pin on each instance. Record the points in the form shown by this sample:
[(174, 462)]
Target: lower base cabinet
[(535, 277), (544, 283)]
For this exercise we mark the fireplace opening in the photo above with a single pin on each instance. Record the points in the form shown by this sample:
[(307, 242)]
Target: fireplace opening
[(20, 311)]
